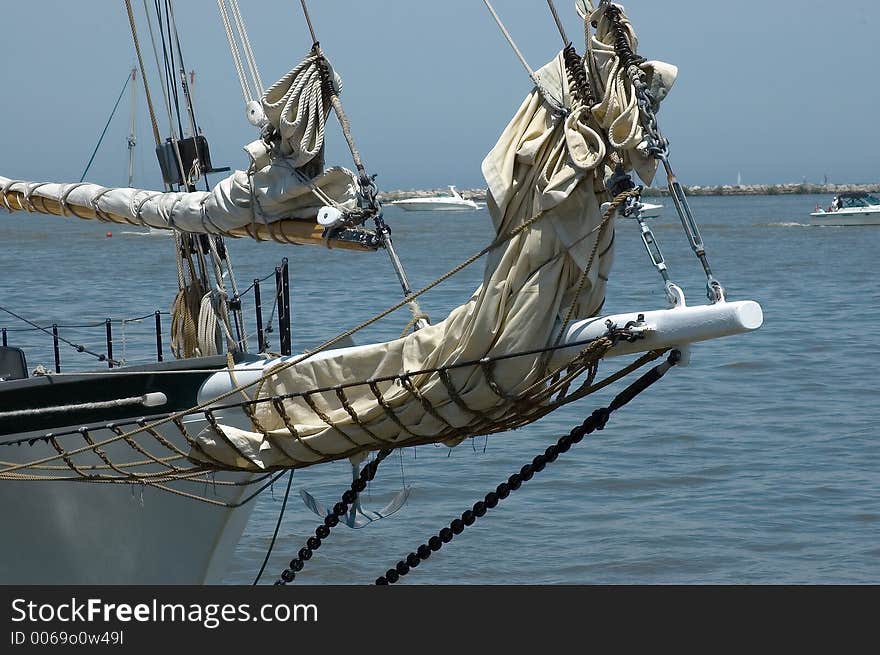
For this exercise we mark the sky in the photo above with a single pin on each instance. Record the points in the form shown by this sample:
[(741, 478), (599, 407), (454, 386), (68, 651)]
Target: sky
[(774, 92)]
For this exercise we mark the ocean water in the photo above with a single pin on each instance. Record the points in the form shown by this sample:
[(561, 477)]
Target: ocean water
[(758, 463)]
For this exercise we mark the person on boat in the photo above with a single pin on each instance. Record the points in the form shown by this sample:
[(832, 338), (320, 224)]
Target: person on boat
[(835, 204)]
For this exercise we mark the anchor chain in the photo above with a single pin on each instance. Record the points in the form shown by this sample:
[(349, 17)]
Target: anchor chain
[(340, 509), (596, 421), (658, 147)]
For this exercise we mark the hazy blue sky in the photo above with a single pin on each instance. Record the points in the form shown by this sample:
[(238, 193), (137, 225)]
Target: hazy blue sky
[(779, 91)]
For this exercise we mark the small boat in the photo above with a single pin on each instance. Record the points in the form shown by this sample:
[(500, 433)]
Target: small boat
[(849, 208), (650, 210), (453, 202)]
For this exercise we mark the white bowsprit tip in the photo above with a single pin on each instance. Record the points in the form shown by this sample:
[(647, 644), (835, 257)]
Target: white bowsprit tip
[(750, 315)]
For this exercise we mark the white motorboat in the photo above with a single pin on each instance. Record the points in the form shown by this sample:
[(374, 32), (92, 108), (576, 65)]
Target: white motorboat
[(849, 208), (451, 203), (204, 435), (650, 210)]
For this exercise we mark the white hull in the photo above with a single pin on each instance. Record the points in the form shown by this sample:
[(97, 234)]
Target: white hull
[(62, 532), (846, 217), (79, 533)]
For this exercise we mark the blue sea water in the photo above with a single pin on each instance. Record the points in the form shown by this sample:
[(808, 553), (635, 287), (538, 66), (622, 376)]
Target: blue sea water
[(758, 463)]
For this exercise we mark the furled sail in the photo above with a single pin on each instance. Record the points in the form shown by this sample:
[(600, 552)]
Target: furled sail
[(547, 172), (278, 197)]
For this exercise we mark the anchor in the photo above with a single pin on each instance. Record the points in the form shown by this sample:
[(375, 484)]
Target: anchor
[(357, 516)]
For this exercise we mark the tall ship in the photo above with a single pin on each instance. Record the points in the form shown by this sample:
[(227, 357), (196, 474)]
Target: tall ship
[(215, 426)]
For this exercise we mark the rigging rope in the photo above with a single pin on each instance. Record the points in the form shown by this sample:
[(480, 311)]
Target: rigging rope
[(246, 92), (550, 98), (81, 349), (275, 534), (559, 25), (169, 60), (248, 50), (198, 165), (106, 126), (137, 48), (166, 95)]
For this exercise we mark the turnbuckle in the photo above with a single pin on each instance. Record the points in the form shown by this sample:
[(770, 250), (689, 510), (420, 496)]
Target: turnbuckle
[(674, 293), (658, 147), (714, 290)]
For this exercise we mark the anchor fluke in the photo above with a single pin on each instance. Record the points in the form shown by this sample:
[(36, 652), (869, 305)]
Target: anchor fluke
[(358, 517)]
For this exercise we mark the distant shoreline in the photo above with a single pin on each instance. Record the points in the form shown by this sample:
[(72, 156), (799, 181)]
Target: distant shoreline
[(722, 190)]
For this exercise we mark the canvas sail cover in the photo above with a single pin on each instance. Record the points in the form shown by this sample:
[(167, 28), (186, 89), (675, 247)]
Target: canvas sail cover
[(544, 165), (285, 181)]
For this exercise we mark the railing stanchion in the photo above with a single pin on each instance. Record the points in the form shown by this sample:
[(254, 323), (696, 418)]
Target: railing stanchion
[(57, 351), (283, 318), (258, 310), (109, 326), (158, 336), (285, 281)]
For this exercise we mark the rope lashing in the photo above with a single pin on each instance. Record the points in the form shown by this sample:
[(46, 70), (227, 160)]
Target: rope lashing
[(580, 85), (595, 422), (621, 199), (622, 44), (528, 406)]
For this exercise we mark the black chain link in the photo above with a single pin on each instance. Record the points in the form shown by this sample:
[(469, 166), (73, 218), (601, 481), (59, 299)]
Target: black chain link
[(340, 509), (596, 421), (580, 85), (621, 39)]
